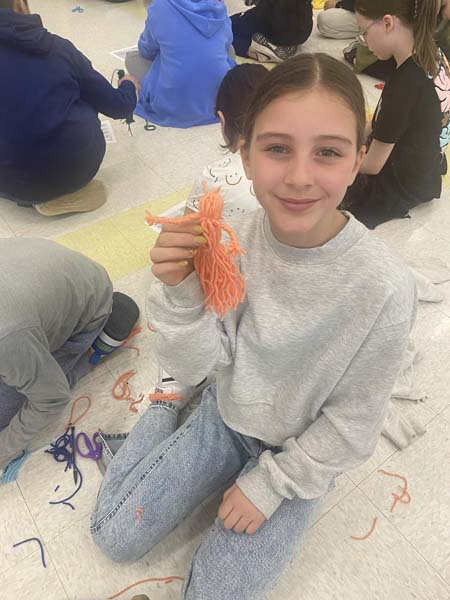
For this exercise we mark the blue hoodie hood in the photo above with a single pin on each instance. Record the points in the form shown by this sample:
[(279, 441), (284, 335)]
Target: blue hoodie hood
[(208, 16), (24, 32)]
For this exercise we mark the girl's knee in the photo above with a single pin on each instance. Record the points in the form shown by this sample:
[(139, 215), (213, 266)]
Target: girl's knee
[(118, 548)]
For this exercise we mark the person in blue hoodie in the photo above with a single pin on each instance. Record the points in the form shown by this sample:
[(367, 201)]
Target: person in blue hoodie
[(51, 143), (188, 44)]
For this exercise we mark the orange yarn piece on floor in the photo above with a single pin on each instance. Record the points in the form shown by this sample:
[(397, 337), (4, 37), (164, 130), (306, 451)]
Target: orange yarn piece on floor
[(222, 282), (161, 396)]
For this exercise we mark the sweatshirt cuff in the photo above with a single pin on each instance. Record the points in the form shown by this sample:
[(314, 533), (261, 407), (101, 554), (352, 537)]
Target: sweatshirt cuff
[(257, 487), (187, 294)]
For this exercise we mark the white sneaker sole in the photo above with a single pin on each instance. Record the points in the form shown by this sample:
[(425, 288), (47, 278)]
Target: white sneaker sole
[(263, 54)]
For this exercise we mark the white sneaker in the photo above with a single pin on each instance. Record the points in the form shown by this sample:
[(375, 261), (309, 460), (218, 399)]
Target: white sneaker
[(167, 385), (264, 51)]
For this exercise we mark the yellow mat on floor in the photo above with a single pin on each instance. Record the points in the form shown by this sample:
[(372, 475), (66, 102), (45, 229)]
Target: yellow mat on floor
[(121, 243), (318, 4)]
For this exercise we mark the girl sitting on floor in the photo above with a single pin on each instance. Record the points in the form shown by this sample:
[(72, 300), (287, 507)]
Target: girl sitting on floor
[(304, 366), (402, 167)]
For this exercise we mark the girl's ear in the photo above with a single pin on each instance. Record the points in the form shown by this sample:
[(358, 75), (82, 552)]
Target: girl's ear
[(21, 7), (222, 118), (388, 22), (359, 158), (245, 157)]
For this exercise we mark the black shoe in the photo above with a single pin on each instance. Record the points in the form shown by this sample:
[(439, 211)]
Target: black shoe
[(264, 51)]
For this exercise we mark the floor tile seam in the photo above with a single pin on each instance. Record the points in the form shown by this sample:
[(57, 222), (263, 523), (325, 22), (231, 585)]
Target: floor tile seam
[(430, 230), (336, 505), (409, 542), (60, 578), (446, 419), (43, 541), (5, 223), (429, 407), (29, 511), (394, 451), (437, 307), (52, 538)]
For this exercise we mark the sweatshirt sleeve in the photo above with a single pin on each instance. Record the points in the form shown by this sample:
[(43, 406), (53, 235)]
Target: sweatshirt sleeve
[(27, 365), (116, 103), (344, 435), (190, 341), (148, 45)]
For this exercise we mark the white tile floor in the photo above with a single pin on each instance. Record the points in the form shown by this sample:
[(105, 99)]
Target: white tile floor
[(408, 555)]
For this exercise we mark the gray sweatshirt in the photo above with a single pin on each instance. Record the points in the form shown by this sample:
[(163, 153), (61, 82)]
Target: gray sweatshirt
[(48, 295), (307, 362)]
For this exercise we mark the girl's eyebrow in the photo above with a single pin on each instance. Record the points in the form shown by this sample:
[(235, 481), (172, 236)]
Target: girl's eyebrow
[(337, 138), (271, 134), (320, 138)]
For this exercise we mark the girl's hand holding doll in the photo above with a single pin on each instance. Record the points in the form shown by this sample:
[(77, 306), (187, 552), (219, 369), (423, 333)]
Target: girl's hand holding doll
[(174, 250)]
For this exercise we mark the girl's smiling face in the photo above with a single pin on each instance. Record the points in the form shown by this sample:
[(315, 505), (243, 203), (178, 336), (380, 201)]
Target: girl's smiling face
[(302, 157)]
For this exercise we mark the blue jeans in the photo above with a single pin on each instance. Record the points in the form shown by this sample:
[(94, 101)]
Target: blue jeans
[(169, 472)]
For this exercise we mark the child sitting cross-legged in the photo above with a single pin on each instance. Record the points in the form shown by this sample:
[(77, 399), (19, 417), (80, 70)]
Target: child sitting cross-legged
[(304, 366)]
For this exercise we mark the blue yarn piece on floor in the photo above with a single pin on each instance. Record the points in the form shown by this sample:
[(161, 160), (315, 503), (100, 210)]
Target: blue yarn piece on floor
[(11, 472)]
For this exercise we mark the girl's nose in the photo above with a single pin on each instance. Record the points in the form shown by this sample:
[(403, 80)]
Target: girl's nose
[(300, 171)]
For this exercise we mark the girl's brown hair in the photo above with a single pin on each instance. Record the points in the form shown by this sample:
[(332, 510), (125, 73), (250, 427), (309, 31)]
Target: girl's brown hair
[(303, 73), (234, 96), (420, 15)]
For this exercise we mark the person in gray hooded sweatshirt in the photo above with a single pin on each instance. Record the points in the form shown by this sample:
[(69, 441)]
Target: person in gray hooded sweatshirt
[(55, 304)]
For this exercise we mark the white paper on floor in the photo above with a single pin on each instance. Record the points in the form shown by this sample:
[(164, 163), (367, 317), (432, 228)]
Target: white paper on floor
[(120, 54), (174, 213), (108, 132)]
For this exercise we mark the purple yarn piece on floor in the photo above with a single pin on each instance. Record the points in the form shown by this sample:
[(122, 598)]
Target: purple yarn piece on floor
[(34, 539)]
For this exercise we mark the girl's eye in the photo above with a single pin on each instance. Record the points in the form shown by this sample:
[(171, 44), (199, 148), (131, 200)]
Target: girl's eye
[(329, 153), (277, 149)]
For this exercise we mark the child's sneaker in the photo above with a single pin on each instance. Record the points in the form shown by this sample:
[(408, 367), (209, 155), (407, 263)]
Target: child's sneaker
[(350, 52), (264, 51), (170, 390)]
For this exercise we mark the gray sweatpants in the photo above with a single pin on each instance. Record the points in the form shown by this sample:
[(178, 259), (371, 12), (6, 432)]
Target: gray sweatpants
[(338, 24), (73, 360), (136, 65)]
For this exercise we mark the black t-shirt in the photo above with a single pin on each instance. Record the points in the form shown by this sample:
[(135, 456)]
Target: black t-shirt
[(285, 22), (409, 116), (346, 5)]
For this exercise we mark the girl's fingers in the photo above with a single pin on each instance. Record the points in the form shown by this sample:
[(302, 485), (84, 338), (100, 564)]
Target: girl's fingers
[(193, 228), (172, 273), (160, 255), (232, 519), (170, 239), (242, 525)]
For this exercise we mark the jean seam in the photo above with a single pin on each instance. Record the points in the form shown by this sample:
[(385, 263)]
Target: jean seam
[(95, 528)]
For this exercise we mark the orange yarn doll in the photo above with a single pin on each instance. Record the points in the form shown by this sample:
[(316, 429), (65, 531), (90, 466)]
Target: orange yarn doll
[(223, 284)]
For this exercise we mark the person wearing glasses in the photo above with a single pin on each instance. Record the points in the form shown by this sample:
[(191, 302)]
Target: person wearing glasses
[(402, 166)]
